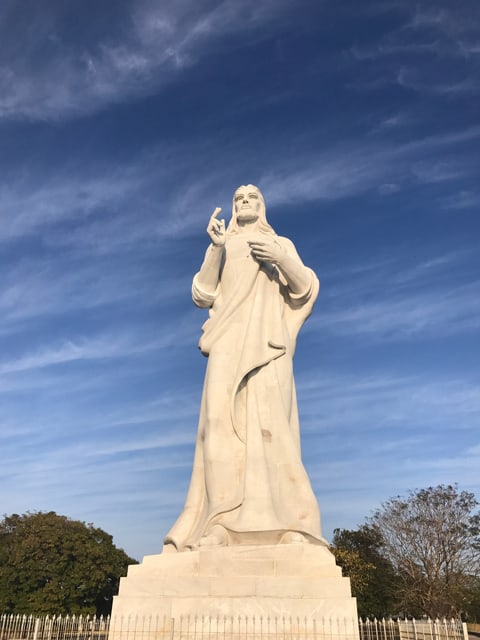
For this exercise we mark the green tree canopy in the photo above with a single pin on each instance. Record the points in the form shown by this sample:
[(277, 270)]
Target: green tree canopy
[(50, 564), (372, 576)]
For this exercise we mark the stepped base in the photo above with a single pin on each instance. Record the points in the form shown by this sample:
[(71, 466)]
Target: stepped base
[(284, 587)]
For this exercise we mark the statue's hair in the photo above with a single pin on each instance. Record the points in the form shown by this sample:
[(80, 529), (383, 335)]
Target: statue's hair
[(263, 225)]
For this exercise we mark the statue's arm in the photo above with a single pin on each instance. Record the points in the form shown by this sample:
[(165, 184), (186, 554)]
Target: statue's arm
[(208, 277), (296, 274), (282, 253), (206, 281)]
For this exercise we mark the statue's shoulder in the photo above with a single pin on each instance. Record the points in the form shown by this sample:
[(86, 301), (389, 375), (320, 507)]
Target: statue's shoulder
[(286, 243), (285, 240)]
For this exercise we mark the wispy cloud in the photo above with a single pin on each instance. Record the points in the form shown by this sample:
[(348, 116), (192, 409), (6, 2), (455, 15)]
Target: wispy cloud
[(412, 78), (464, 199), (401, 407), (437, 171), (394, 121), (431, 271), (105, 207), (153, 43), (395, 298), (90, 349), (411, 54), (108, 208), (56, 288), (27, 206), (392, 48), (368, 436), (434, 313), (97, 347), (356, 167), (349, 491)]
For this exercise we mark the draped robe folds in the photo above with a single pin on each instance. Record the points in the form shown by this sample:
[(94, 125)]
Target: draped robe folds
[(248, 475)]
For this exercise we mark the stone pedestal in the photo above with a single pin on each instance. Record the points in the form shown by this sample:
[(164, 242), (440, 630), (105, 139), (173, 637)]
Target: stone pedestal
[(238, 591)]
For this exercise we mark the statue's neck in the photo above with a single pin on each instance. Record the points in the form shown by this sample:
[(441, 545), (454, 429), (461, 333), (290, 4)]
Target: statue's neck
[(247, 227)]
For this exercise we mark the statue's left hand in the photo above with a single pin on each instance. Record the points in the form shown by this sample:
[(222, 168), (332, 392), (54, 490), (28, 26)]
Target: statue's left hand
[(267, 250)]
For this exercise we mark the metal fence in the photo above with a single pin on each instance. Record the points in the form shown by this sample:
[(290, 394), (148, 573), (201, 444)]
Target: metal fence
[(424, 629), (234, 628), (22, 627), (18, 627)]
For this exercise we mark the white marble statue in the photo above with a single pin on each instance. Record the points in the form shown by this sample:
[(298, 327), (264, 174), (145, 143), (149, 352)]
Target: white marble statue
[(248, 484)]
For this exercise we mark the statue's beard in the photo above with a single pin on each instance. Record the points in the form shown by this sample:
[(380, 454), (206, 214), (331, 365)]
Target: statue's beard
[(247, 216)]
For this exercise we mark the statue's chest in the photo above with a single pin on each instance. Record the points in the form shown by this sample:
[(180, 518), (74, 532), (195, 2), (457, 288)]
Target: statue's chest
[(240, 265)]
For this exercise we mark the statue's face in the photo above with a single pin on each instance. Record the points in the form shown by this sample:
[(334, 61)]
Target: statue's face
[(247, 203)]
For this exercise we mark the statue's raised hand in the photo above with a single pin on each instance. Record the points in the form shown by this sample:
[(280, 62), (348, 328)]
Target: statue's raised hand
[(216, 229), (267, 250)]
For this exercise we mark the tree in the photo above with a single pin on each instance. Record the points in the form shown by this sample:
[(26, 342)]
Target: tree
[(432, 539), (50, 564), (372, 576)]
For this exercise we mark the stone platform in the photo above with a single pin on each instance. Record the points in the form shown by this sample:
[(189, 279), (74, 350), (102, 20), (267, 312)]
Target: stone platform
[(294, 584)]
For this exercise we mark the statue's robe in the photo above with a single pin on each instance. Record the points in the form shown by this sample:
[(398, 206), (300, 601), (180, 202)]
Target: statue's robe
[(248, 475)]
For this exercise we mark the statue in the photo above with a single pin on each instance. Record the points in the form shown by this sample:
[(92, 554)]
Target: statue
[(249, 485)]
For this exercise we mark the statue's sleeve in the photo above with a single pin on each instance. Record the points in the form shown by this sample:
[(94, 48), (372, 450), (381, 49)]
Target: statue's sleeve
[(311, 281), (201, 298), (299, 299)]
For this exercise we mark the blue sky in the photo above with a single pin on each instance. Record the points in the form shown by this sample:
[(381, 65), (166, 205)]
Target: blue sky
[(122, 125)]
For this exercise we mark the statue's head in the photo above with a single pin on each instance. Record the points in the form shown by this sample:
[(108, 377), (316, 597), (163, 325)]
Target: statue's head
[(249, 207)]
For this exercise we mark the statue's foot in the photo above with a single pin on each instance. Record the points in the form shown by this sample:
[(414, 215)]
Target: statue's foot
[(216, 537), (293, 537)]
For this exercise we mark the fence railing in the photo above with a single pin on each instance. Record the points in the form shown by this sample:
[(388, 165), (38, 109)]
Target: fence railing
[(22, 627), (423, 629)]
